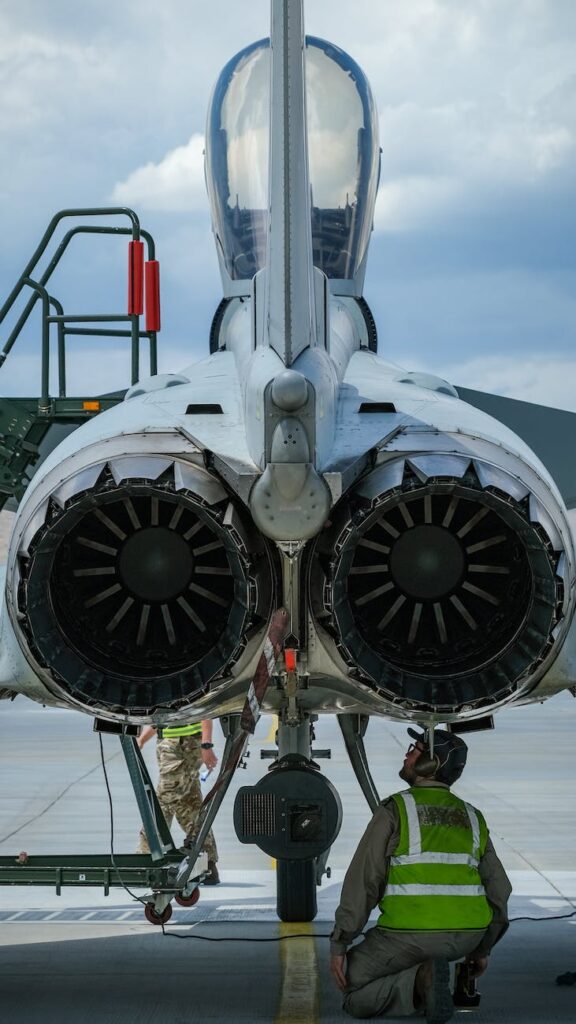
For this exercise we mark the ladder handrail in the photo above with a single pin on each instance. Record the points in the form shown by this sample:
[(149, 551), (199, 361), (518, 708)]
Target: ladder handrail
[(103, 211), (38, 288), (47, 301), (45, 277)]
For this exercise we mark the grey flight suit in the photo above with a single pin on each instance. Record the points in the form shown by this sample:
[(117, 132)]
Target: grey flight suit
[(381, 970)]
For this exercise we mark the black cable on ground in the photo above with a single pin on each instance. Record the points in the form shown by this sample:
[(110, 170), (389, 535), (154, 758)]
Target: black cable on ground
[(556, 917), (138, 899), (323, 935), (240, 938)]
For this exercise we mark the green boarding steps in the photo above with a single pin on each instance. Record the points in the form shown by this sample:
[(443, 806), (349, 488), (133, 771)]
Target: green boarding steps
[(25, 422)]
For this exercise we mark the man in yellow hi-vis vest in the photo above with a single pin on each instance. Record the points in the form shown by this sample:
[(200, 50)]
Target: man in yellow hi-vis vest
[(427, 860), (181, 753)]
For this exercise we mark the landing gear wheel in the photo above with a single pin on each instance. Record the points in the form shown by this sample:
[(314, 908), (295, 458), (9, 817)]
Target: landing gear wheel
[(188, 901), (296, 890), (152, 915)]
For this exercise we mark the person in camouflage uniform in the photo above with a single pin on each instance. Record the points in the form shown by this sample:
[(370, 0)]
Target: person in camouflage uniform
[(179, 794)]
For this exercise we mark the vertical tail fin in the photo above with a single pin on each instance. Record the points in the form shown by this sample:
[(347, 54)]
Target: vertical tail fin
[(289, 320)]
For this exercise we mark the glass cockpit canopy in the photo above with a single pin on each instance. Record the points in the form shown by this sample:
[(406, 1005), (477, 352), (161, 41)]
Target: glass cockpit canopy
[(344, 159)]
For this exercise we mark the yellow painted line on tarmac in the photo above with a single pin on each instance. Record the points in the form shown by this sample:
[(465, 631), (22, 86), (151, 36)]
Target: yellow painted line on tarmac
[(270, 739), (299, 1001), (272, 734)]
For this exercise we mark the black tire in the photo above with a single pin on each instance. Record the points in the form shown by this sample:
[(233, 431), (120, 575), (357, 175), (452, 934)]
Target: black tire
[(296, 890)]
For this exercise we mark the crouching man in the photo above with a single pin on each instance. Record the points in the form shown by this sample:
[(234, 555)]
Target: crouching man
[(427, 860)]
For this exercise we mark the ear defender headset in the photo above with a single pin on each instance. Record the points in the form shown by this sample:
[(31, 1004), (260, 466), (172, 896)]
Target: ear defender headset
[(444, 757), (427, 764)]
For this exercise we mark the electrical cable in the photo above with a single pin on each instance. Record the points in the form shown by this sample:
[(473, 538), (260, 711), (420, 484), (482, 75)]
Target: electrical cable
[(319, 935), (240, 938), (553, 917), (138, 899), (556, 917), (537, 870), (565, 899)]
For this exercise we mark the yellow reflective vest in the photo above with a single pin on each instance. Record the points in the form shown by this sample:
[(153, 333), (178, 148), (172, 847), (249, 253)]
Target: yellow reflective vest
[(173, 731), (434, 883)]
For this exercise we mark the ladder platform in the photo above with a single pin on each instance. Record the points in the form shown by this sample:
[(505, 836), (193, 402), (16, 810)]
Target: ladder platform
[(79, 870)]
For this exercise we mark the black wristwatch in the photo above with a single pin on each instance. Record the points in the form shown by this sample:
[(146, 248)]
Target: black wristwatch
[(206, 746)]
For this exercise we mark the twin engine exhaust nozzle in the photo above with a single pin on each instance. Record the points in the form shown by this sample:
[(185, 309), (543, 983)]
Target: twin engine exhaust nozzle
[(442, 580)]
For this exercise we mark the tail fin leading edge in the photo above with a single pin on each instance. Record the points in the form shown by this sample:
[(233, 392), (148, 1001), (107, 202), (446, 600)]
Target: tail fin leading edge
[(289, 305)]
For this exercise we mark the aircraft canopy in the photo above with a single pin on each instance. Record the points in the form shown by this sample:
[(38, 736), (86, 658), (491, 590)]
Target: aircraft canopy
[(343, 157)]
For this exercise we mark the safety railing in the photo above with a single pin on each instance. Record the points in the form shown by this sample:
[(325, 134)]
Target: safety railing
[(143, 294)]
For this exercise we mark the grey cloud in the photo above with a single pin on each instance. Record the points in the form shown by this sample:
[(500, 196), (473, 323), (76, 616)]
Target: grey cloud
[(93, 91)]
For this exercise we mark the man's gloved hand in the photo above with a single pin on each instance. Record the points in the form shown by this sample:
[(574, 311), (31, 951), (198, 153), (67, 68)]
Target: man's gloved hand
[(338, 970), (478, 964)]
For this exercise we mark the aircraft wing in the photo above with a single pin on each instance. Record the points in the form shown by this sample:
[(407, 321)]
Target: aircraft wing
[(550, 433)]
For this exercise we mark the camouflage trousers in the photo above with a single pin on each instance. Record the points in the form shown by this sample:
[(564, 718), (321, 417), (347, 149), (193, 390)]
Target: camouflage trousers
[(178, 789)]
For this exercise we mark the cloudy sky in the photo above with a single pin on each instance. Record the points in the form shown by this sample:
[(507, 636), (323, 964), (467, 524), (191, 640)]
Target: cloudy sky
[(472, 271)]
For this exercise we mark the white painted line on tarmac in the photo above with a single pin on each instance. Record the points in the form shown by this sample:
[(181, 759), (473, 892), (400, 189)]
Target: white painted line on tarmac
[(246, 906)]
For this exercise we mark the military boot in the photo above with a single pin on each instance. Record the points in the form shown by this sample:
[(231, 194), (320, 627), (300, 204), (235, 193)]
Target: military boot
[(212, 877)]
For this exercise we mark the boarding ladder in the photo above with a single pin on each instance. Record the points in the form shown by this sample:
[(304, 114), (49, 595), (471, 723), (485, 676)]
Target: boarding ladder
[(25, 422)]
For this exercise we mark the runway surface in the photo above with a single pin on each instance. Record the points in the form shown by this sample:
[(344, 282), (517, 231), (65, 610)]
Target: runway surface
[(85, 957)]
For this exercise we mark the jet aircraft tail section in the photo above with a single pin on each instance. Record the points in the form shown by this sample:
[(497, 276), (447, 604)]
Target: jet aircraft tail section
[(288, 323)]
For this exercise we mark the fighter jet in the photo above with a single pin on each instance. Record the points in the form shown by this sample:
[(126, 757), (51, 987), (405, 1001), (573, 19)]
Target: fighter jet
[(293, 524)]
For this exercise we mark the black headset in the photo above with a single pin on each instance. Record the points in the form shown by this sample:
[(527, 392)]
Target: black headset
[(430, 764), (427, 764)]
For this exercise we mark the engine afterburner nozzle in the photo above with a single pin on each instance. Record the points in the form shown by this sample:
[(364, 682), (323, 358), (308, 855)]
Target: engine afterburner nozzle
[(447, 580), (138, 583)]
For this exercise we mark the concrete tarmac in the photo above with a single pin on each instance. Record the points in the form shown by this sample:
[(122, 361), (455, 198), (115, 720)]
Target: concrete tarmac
[(85, 957)]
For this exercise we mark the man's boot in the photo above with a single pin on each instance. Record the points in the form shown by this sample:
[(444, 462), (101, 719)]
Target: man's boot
[(212, 877), (432, 988)]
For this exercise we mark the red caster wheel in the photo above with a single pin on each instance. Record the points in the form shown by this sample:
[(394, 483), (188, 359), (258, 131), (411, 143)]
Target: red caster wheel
[(188, 901), (152, 915)]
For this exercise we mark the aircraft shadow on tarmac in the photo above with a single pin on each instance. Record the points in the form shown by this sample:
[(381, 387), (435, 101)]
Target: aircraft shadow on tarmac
[(151, 978)]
